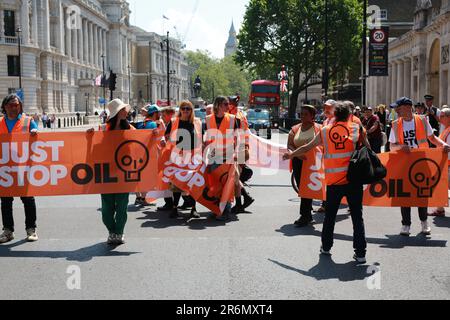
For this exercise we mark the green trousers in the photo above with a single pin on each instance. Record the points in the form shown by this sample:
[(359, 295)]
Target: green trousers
[(114, 211)]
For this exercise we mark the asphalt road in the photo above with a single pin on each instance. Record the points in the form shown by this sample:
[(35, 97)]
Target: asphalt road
[(259, 255)]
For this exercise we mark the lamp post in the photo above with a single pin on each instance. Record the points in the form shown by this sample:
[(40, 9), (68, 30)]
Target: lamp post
[(148, 88), (19, 31), (325, 67), (103, 80), (364, 59), (129, 84)]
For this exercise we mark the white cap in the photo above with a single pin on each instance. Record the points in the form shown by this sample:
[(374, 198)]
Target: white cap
[(331, 103)]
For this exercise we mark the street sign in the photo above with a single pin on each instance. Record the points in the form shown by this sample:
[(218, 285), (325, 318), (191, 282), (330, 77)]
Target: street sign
[(102, 101), (379, 52)]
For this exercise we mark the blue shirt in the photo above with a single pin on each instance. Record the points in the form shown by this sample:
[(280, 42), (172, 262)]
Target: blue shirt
[(149, 125), (11, 123)]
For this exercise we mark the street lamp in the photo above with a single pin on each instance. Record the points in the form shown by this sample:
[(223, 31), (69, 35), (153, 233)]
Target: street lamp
[(129, 84), (325, 82), (87, 101), (103, 81), (19, 31)]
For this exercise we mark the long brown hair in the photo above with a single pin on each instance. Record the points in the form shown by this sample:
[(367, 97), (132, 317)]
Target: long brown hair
[(187, 103)]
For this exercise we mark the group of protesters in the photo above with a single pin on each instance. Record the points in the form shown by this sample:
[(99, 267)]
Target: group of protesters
[(423, 127)]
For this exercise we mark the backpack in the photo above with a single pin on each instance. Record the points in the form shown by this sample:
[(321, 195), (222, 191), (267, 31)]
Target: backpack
[(246, 174), (365, 167)]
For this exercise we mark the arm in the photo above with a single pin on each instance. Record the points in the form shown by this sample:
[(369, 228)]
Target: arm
[(364, 139), (302, 150), (290, 143), (439, 143)]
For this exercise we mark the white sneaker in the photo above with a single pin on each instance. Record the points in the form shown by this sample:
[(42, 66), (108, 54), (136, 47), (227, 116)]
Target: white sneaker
[(405, 231), (120, 239), (6, 236), (426, 230), (360, 260), (111, 238), (31, 235)]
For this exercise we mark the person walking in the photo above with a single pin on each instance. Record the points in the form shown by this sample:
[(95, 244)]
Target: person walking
[(445, 136), (115, 206), (337, 155), (382, 116), (15, 122), (372, 124), (184, 132), (433, 114), (299, 136), (412, 132)]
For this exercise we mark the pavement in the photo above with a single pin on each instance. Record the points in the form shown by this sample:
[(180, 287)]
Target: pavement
[(259, 255)]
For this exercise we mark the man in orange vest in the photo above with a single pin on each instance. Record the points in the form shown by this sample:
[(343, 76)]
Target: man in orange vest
[(244, 149), (339, 141), (16, 122), (408, 132)]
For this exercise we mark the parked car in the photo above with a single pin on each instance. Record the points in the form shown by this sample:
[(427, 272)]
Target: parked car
[(259, 122)]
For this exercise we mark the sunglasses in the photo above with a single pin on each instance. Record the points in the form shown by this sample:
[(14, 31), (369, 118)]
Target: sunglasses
[(226, 104), (13, 104), (185, 109)]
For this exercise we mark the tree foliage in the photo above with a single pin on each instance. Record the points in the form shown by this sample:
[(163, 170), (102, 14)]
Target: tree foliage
[(292, 33), (223, 76)]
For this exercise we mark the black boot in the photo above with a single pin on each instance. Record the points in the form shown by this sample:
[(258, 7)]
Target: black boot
[(168, 206), (173, 213), (238, 208), (194, 214), (248, 201), (187, 204)]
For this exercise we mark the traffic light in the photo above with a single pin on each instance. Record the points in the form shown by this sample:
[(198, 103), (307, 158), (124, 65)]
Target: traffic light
[(112, 81)]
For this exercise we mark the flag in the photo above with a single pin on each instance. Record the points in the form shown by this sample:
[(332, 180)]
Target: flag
[(283, 86), (98, 81), (165, 17)]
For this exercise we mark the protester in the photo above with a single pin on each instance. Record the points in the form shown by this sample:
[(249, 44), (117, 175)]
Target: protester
[(336, 162), (301, 135), (15, 122), (357, 113), (209, 109), (372, 124), (185, 133), (221, 121), (445, 136), (412, 132), (382, 115), (115, 206), (420, 109), (44, 120), (244, 156)]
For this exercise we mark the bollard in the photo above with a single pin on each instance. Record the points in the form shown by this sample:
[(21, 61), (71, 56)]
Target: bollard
[(59, 123), (64, 122)]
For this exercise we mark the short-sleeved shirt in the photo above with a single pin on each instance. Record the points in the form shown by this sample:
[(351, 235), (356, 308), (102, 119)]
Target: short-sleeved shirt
[(368, 124), (409, 133), (11, 123)]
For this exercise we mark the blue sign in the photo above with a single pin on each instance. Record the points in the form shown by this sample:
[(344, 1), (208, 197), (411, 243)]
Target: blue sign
[(19, 93), (102, 101)]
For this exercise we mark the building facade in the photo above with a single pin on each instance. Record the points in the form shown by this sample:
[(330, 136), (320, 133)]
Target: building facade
[(418, 60), (64, 44), (150, 71)]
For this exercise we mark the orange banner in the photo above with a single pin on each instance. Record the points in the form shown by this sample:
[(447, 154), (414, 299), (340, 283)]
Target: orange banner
[(415, 179), (210, 185), (71, 163)]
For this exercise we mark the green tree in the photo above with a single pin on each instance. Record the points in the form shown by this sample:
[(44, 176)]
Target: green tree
[(291, 33), (219, 76)]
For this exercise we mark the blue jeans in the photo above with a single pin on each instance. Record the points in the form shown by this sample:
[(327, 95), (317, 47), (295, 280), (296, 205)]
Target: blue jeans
[(354, 194)]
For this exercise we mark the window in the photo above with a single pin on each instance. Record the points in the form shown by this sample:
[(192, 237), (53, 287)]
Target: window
[(10, 23), (383, 14), (13, 66)]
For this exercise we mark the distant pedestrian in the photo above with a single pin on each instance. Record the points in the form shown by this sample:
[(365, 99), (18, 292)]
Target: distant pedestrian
[(14, 121), (44, 120), (372, 124)]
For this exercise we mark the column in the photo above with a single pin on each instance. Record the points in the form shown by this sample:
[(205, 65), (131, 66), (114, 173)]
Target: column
[(80, 44), (394, 94), (62, 28), (388, 96), (91, 44), (75, 44), (24, 22), (2, 22), (86, 41), (95, 48), (422, 78), (68, 38), (400, 80), (407, 78), (46, 27), (104, 43)]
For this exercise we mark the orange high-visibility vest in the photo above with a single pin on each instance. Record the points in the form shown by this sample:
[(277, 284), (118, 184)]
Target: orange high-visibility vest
[(444, 136), (339, 142), (420, 127), (227, 143), (22, 125)]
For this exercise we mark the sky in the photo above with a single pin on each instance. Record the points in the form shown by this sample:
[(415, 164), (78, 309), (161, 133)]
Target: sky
[(200, 24)]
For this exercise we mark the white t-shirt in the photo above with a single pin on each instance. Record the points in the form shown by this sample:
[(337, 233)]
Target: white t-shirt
[(409, 133)]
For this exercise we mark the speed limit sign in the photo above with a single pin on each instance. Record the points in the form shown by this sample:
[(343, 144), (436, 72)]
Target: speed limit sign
[(379, 36)]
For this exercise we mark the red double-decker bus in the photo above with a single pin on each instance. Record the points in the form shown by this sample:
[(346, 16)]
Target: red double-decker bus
[(265, 95)]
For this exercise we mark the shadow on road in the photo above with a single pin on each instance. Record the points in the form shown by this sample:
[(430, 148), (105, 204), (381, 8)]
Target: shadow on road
[(442, 222), (327, 269), (161, 220), (80, 255), (390, 242)]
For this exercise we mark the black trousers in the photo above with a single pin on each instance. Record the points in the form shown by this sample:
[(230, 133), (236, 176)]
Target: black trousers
[(305, 204), (354, 194), (7, 212), (406, 215), (375, 144)]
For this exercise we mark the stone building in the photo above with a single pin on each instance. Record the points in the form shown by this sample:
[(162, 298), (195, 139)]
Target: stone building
[(419, 59), (232, 43), (64, 45)]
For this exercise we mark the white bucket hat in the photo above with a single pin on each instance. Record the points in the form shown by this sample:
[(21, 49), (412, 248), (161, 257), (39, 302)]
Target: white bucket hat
[(115, 106)]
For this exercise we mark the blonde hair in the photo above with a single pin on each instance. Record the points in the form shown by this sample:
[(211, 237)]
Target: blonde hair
[(187, 103), (381, 108)]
